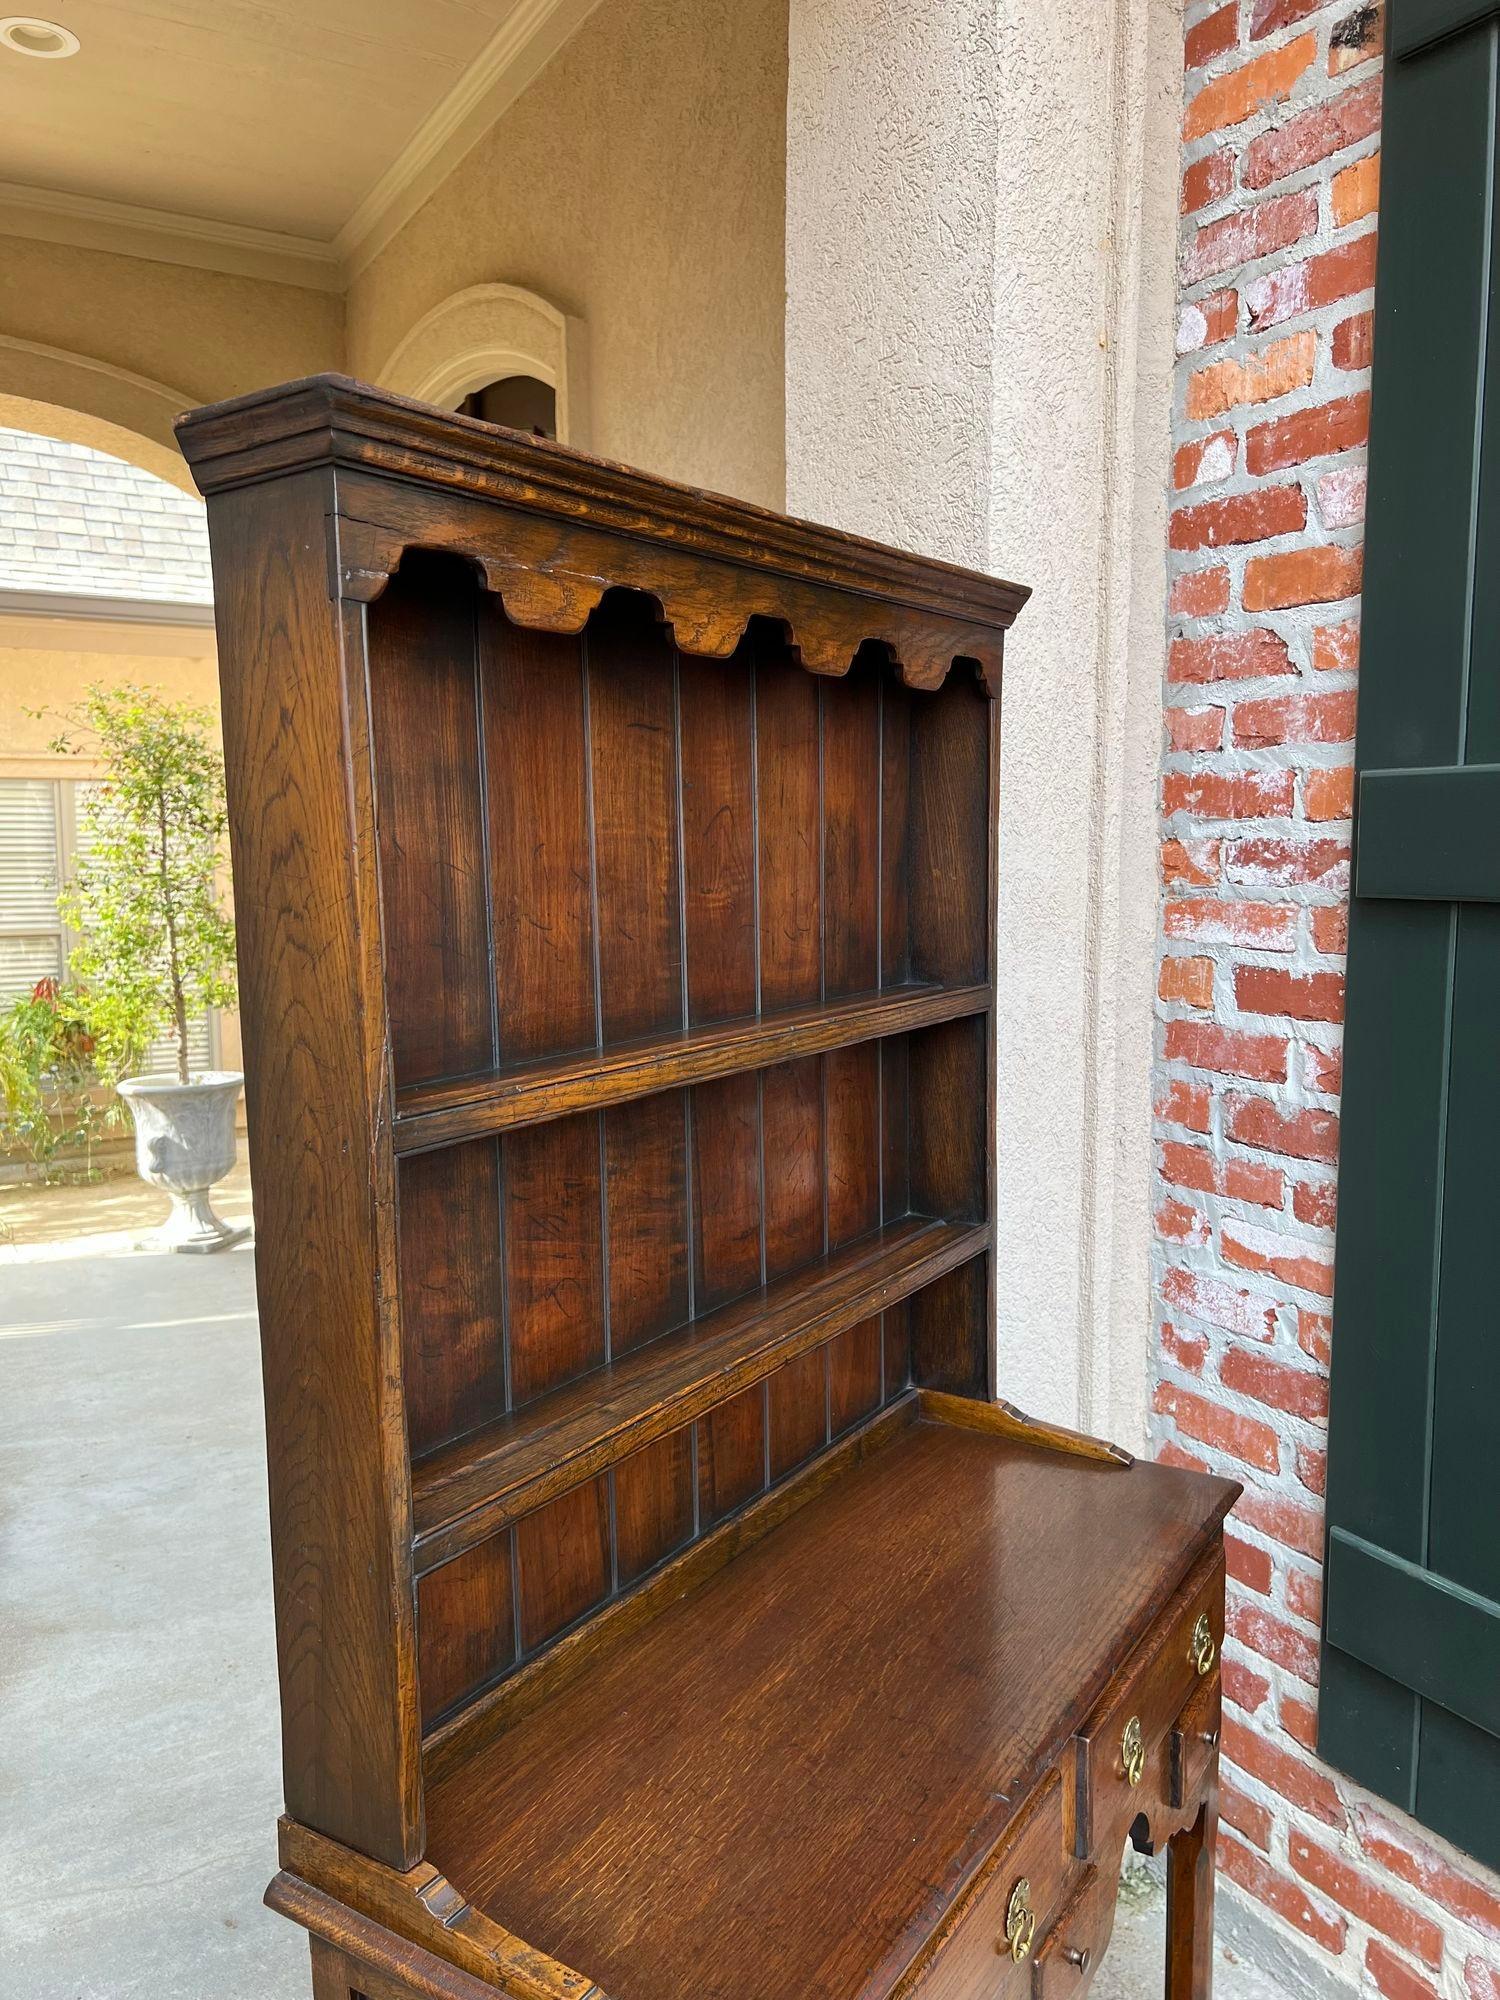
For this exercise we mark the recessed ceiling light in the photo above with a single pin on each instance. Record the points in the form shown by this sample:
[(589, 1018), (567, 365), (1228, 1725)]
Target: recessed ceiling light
[(25, 35)]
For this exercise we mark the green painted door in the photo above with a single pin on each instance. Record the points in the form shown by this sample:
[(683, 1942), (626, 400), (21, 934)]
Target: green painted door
[(1411, 1671)]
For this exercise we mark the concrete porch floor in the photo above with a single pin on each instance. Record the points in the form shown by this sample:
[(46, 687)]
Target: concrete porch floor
[(139, 1766)]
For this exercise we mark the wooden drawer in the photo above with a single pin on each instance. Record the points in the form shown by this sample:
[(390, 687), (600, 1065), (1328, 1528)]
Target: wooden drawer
[(970, 1956), (1195, 1742), (1123, 1752), (1070, 1956)]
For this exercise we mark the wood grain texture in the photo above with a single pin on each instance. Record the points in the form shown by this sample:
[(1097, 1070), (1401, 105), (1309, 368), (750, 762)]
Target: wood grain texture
[(788, 760), (646, 1219), (717, 721), (466, 1625), (851, 834), (554, 1255), (452, 1292), (714, 1867), (312, 1008)]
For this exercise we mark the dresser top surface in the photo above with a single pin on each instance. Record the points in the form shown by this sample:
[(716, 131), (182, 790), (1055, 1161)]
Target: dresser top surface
[(775, 1786)]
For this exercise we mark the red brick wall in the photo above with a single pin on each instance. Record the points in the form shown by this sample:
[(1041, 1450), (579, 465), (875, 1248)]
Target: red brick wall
[(1280, 169)]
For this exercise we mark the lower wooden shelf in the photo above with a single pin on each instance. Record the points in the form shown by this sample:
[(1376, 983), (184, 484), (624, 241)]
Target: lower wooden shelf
[(471, 1489)]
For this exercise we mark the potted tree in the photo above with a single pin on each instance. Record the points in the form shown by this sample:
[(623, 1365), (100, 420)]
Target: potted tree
[(157, 943)]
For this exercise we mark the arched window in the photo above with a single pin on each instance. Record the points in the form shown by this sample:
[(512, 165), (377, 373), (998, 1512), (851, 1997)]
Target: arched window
[(522, 401)]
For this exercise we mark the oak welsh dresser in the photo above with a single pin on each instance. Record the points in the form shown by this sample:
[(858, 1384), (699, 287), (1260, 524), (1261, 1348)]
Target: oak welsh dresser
[(667, 1607)]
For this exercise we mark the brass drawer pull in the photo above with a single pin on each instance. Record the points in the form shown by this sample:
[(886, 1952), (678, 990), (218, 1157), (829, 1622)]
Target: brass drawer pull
[(1020, 1922), (1203, 1652), (1133, 1751)]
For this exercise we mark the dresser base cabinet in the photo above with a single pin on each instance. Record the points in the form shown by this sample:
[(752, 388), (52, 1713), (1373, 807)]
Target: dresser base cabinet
[(668, 1605)]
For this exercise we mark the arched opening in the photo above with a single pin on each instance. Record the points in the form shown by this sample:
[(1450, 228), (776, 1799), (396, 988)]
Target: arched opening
[(506, 346), (522, 402)]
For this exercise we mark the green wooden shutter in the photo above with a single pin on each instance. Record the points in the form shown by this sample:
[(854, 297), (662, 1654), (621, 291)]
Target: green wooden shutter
[(1411, 1668)]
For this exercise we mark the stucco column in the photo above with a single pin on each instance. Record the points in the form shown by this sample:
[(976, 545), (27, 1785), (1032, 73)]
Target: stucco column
[(980, 203)]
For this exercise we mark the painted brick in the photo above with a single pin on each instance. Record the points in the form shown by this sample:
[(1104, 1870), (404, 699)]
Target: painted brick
[(1257, 378), (1220, 1305), (1180, 1222), (1336, 648), (1188, 981), (1341, 496), (1313, 135), (1195, 728), (1297, 718), (1312, 1468), (1316, 1203), (1362, 1897), (1262, 1058), (1329, 795), (1356, 37), (1356, 191), (1482, 1978), (1215, 35), (1241, 1180), (1249, 1566), (1187, 1351), (1243, 1686), (1309, 1788), (1257, 1121), (1228, 795), (1284, 1646), (1244, 1815), (1266, 16), (1205, 460), (1330, 931), (1323, 1069), (1456, 1890), (1315, 1337), (1242, 517), (1206, 322), (1195, 862), (1206, 181), (1208, 920), (1300, 1721), (1259, 1879), (1298, 1391), (1269, 989), (1393, 1977), (1264, 862), (1304, 1596), (1282, 1520), (1301, 576), (1320, 280), (1184, 1104), (1288, 1258), (1244, 1438), (1168, 1453), (1354, 341), (1200, 593), (1231, 99), (1317, 433), (1240, 656)]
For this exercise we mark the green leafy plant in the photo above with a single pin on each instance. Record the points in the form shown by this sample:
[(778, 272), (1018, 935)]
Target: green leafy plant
[(157, 943), (49, 1099)]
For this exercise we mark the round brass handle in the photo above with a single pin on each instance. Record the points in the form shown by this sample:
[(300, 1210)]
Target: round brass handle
[(1082, 1959), (1133, 1751), (1203, 1652), (1020, 1922)]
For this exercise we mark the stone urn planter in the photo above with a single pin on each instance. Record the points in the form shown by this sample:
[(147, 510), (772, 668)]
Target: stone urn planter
[(184, 1143)]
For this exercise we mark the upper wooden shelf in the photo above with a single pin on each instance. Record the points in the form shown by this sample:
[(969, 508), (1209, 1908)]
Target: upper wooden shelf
[(468, 1490), (431, 1115)]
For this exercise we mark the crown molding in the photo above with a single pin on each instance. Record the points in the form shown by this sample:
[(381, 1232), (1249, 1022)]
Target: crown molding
[(49, 215), (527, 40)]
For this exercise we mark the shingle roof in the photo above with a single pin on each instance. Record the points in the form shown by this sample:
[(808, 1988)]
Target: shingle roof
[(81, 523)]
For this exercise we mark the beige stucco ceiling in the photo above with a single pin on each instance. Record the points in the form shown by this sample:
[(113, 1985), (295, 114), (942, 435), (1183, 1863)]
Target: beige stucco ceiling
[(262, 113)]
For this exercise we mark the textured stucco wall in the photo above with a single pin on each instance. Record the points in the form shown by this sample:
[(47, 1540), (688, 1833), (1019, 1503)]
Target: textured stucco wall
[(139, 328), (979, 228), (638, 185)]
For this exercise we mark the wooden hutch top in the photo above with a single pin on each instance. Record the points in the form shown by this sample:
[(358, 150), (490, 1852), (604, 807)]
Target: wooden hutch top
[(665, 1603)]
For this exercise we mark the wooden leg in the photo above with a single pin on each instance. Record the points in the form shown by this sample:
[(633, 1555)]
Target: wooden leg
[(1190, 1905)]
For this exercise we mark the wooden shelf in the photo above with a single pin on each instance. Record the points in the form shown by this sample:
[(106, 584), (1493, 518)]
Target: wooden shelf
[(468, 1490), (431, 1115)]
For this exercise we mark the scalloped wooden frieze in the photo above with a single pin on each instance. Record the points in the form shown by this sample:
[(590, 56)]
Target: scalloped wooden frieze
[(550, 575)]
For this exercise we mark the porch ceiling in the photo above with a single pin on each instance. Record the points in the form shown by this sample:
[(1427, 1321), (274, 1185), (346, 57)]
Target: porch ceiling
[(266, 125)]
